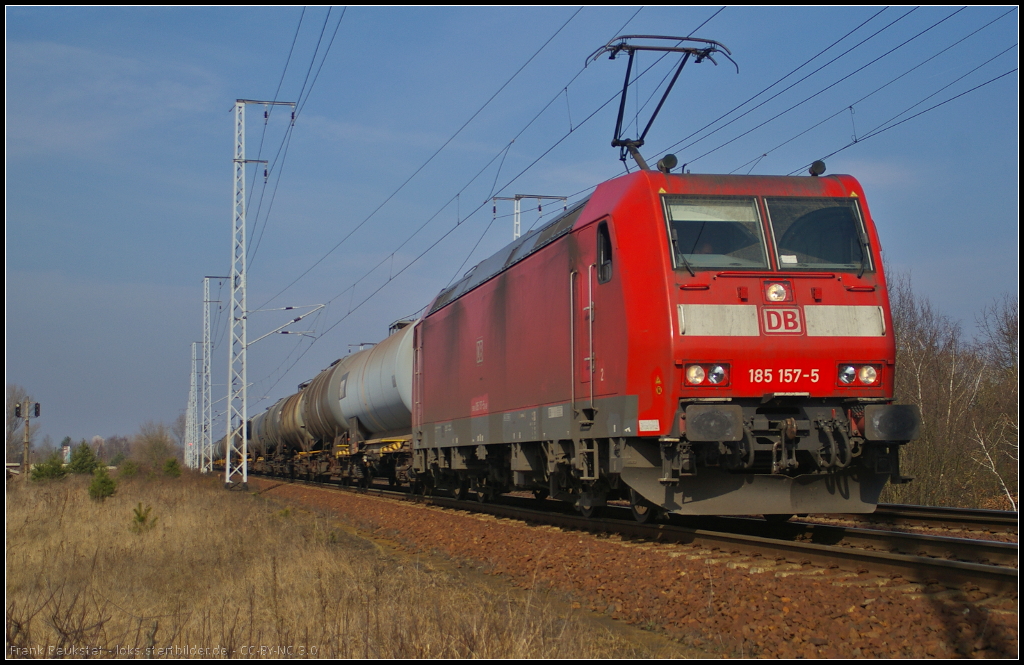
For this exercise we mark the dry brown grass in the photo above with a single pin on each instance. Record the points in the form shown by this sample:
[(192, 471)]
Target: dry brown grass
[(237, 573)]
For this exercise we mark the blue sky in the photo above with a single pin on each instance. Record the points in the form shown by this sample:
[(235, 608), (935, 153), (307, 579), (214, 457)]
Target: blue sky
[(119, 175)]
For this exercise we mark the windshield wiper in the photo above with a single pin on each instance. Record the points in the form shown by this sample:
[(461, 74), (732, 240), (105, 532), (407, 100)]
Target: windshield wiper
[(675, 248), (865, 250)]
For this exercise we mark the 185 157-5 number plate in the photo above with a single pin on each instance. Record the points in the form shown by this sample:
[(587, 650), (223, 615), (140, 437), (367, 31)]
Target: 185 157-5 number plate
[(781, 374)]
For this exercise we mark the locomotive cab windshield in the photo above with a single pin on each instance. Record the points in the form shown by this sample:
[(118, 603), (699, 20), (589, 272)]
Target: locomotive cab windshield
[(818, 234), (727, 233), (715, 232)]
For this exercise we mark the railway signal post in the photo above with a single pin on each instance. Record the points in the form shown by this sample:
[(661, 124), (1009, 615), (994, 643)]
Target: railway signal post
[(28, 408)]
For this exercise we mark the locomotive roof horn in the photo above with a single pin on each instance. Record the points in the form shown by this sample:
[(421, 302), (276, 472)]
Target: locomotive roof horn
[(620, 44)]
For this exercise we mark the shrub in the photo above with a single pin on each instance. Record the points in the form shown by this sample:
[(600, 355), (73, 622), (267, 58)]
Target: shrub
[(152, 445), (102, 485), (83, 459), (141, 521), (172, 468), (52, 468), (127, 469)]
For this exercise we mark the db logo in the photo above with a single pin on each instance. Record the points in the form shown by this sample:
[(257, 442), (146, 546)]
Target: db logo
[(781, 321)]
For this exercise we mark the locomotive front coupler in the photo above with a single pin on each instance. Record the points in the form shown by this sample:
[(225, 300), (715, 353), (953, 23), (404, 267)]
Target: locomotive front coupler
[(677, 460)]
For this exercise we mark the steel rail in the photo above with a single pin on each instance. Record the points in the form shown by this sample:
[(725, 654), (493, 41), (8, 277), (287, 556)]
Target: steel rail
[(1005, 521), (917, 544)]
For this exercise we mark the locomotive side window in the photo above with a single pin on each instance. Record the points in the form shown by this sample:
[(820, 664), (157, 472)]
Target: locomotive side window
[(715, 232), (818, 234), (604, 253)]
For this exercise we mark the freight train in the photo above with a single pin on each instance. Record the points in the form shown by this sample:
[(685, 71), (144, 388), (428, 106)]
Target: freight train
[(694, 344)]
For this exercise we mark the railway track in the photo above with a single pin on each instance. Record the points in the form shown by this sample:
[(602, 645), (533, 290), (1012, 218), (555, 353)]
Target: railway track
[(959, 519), (926, 559)]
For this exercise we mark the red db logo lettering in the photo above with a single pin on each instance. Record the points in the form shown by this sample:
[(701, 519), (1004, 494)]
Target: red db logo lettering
[(779, 321)]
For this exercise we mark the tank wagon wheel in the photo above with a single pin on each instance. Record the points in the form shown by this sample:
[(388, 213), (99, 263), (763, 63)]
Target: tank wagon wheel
[(422, 487), (461, 491), (643, 510), (777, 519), (590, 511)]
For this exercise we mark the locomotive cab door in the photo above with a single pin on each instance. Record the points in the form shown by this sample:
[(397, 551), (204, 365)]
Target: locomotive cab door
[(592, 298)]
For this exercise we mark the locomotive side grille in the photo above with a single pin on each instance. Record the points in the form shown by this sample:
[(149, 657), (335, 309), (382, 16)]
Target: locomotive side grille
[(844, 321), (718, 320)]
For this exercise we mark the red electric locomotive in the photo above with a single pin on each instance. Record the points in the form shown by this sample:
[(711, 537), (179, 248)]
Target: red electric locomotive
[(701, 344)]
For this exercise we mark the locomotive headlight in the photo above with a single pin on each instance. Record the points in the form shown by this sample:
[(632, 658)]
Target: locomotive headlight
[(776, 292), (867, 374), (847, 373), (718, 375), (695, 374)]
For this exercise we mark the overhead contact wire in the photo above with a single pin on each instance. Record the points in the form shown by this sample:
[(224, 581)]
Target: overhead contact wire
[(890, 82), (882, 128), (286, 141), (429, 160), (826, 88)]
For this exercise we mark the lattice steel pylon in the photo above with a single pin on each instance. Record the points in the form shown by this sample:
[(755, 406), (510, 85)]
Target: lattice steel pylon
[(206, 403), (236, 447), (191, 418)]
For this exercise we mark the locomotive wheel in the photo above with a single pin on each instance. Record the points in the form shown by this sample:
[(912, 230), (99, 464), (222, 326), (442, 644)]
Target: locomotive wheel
[(590, 511), (643, 510)]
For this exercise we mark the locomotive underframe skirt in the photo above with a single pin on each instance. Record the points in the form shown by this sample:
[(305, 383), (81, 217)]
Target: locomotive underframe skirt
[(710, 490), (717, 492)]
